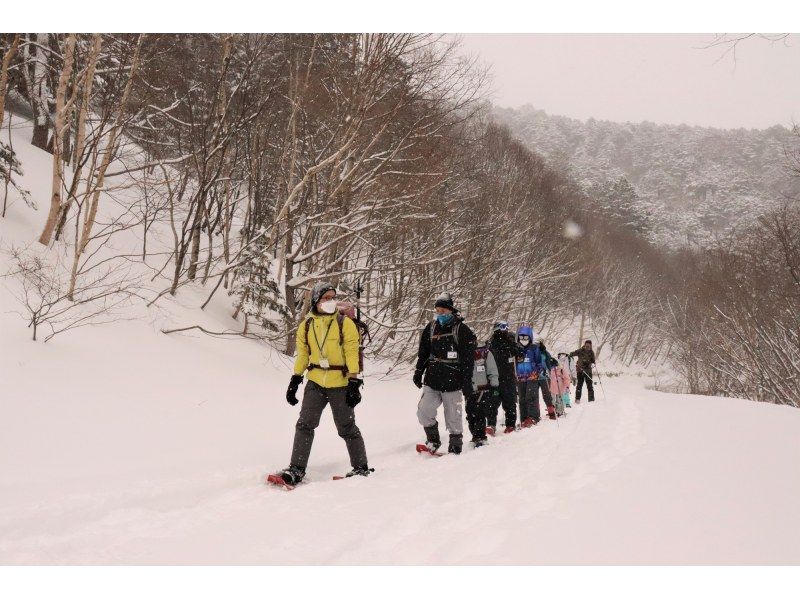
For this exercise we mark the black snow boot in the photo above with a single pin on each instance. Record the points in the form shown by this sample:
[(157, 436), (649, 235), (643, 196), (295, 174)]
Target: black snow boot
[(455, 444), (293, 475), (433, 441), (363, 471)]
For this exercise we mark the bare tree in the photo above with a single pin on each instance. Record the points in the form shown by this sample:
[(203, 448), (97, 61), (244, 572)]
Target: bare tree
[(48, 301)]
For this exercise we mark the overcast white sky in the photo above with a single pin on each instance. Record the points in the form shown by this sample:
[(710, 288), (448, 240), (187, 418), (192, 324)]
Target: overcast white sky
[(664, 78)]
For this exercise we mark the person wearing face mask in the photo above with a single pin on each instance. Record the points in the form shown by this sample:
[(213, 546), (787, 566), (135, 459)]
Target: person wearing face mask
[(444, 373), (531, 376), (330, 356), (505, 349)]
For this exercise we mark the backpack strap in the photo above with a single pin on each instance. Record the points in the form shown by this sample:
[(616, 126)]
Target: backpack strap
[(340, 322), (308, 329), (454, 334), (456, 326), (340, 318)]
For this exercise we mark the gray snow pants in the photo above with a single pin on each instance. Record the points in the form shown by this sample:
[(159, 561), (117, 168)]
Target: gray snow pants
[(315, 398), (429, 404)]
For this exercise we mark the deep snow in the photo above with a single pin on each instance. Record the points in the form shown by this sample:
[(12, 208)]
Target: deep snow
[(121, 445)]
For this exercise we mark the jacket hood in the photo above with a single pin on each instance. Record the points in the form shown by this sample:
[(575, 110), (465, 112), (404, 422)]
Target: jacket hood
[(526, 331)]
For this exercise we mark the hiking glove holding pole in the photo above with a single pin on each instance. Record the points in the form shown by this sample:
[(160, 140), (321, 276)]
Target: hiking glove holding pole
[(353, 396), (418, 378), (291, 392)]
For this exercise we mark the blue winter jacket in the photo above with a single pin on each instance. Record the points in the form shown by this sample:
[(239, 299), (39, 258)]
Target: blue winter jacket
[(531, 363)]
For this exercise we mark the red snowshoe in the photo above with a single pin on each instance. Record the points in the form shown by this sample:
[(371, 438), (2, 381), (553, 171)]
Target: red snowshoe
[(528, 422), (276, 480), (509, 429), (358, 471), (429, 449), (490, 430)]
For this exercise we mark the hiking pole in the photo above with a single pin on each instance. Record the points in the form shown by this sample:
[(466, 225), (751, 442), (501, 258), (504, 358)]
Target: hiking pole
[(359, 290), (602, 386), (361, 343)]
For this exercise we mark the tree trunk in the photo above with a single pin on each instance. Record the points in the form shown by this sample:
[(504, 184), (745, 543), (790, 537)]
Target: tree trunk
[(109, 150), (40, 94), (100, 175), (41, 134), (80, 132), (191, 273), (58, 138), (7, 58)]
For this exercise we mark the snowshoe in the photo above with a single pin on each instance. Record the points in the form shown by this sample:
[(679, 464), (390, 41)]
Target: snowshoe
[(490, 430), (276, 480), (293, 475), (430, 448), (361, 471), (528, 422), (509, 429), (479, 442), (288, 478)]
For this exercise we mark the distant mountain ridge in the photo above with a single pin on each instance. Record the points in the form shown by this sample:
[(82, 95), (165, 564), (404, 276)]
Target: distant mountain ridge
[(687, 184)]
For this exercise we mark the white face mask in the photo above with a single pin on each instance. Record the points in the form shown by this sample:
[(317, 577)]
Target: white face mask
[(327, 307), (524, 342)]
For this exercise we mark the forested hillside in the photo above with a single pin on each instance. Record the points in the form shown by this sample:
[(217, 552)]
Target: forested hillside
[(257, 165), (246, 168), (678, 185)]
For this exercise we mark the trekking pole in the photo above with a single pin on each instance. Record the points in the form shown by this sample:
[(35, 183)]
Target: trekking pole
[(602, 386), (359, 289), (361, 344)]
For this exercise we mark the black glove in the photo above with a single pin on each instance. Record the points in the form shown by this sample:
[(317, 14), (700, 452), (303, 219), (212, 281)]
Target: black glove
[(291, 392), (467, 390), (353, 396), (418, 378)]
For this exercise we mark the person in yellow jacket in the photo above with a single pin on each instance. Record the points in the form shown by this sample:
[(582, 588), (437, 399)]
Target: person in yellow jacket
[(331, 358)]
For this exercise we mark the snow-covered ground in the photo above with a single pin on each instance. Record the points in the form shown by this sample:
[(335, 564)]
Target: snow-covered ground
[(113, 470), (119, 444)]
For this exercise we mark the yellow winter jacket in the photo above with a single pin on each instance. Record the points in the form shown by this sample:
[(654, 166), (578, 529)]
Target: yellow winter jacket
[(308, 350)]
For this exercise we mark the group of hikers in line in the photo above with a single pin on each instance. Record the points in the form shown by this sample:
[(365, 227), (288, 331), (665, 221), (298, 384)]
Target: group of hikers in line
[(508, 370)]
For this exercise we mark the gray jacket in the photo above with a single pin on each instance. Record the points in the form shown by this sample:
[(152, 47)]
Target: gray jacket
[(484, 372)]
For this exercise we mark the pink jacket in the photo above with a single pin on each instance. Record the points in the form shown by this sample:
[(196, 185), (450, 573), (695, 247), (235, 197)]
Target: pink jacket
[(559, 381)]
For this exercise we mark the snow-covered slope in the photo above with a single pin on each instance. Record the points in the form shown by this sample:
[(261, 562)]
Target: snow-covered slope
[(130, 467), (119, 444)]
